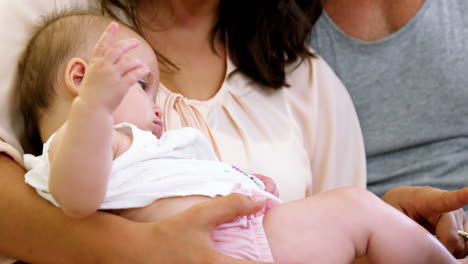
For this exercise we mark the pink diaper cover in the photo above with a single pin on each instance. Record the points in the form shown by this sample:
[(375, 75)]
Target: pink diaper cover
[(244, 237)]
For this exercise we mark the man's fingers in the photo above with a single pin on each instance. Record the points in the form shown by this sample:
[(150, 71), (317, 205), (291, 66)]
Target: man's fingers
[(446, 232), (465, 228), (106, 39), (462, 248), (220, 210), (449, 201)]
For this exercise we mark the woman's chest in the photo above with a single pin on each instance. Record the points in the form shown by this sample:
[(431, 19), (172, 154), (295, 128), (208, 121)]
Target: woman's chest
[(254, 132)]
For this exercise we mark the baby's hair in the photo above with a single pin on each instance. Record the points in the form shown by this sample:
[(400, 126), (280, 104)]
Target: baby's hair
[(59, 37)]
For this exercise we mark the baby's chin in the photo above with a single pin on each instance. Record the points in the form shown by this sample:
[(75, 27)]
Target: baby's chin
[(157, 131), (158, 135)]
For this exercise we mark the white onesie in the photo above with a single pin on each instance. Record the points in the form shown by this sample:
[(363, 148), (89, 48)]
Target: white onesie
[(180, 163)]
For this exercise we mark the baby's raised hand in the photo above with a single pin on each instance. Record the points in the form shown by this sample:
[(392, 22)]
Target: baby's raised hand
[(111, 71)]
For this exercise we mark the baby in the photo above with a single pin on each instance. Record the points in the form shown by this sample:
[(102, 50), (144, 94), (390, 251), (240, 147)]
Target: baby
[(90, 97)]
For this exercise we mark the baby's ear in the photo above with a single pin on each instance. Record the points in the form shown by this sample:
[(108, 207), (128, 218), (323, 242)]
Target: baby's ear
[(74, 74)]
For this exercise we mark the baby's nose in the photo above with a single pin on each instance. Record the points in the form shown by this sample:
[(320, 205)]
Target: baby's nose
[(158, 111)]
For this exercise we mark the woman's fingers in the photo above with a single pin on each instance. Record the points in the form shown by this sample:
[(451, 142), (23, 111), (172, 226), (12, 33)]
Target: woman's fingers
[(205, 217), (223, 209)]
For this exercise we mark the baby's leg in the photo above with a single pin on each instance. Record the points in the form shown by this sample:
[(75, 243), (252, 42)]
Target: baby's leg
[(340, 225)]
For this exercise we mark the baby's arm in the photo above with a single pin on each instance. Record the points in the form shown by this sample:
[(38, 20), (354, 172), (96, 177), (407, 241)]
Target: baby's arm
[(83, 149), (80, 165)]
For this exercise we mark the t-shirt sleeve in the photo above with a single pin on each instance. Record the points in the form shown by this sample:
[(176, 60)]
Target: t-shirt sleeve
[(17, 19), (330, 125)]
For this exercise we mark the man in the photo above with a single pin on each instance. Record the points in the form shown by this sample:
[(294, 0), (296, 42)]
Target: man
[(404, 63)]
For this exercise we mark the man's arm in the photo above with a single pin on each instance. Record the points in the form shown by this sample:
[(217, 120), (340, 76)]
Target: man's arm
[(437, 210)]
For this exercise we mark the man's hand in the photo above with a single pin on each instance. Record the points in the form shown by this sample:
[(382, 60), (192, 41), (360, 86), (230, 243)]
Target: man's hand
[(186, 238), (437, 210)]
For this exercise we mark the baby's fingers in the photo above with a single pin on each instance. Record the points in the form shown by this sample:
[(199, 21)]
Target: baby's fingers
[(133, 70), (119, 49), (106, 39)]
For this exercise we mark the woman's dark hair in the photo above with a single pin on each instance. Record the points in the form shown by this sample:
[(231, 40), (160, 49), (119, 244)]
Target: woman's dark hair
[(262, 36)]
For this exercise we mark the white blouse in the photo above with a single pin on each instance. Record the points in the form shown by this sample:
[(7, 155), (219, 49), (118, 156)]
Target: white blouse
[(306, 137)]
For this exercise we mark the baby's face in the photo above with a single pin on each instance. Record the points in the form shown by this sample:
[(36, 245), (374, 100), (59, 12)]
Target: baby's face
[(138, 106)]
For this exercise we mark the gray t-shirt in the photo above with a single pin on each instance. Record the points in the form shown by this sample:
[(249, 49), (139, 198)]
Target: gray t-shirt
[(411, 94)]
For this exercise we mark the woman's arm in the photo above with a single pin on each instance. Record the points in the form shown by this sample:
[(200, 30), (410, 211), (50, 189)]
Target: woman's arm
[(35, 231)]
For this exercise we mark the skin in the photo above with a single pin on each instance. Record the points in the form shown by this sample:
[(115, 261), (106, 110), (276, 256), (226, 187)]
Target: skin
[(372, 20), (187, 43)]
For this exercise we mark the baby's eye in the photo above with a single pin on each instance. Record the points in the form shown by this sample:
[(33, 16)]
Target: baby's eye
[(143, 84)]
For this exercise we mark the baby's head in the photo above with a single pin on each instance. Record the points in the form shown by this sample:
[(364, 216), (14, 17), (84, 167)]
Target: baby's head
[(54, 64)]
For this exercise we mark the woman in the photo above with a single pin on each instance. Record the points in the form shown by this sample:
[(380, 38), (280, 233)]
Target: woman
[(308, 132)]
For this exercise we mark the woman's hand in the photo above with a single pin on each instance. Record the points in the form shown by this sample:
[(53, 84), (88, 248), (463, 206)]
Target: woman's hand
[(270, 185), (186, 237), (437, 210)]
